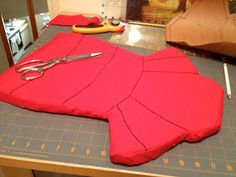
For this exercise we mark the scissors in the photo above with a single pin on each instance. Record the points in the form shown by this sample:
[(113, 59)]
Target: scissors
[(34, 69)]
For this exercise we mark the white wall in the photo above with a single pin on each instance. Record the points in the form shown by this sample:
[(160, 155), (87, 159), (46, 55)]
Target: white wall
[(109, 8), (55, 7), (3, 58)]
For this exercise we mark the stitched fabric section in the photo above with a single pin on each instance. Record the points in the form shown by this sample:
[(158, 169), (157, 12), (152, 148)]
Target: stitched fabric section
[(158, 115), (169, 60), (137, 139), (116, 105), (152, 131), (28, 82), (114, 82), (143, 105), (78, 92)]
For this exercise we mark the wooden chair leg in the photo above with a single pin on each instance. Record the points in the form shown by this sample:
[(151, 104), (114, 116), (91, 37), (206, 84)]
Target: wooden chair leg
[(31, 13), (5, 42)]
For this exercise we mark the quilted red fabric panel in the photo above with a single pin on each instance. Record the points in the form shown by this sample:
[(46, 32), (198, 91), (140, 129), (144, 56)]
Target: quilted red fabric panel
[(151, 103)]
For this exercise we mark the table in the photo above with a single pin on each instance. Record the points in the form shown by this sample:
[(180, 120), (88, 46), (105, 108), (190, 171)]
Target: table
[(77, 145)]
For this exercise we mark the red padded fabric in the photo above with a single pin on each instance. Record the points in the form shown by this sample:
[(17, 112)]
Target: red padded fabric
[(69, 20), (151, 103)]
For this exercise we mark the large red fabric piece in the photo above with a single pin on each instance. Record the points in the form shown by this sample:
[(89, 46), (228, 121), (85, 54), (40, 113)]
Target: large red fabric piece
[(151, 103)]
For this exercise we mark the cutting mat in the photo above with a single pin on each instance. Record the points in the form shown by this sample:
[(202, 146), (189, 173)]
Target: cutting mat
[(79, 140)]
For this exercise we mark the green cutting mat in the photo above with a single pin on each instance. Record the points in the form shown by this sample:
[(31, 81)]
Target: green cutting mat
[(79, 140)]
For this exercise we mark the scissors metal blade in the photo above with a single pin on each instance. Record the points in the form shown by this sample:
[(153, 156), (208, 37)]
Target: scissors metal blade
[(96, 54), (83, 56)]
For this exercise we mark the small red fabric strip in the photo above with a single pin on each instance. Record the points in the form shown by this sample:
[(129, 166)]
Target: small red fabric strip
[(69, 20)]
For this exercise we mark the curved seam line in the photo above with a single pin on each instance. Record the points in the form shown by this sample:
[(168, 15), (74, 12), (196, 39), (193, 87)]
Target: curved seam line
[(135, 85), (11, 92), (171, 72), (26, 83), (78, 43), (165, 58), (142, 63), (89, 84), (163, 118), (130, 129)]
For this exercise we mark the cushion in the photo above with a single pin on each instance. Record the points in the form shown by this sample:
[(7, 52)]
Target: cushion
[(151, 102)]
